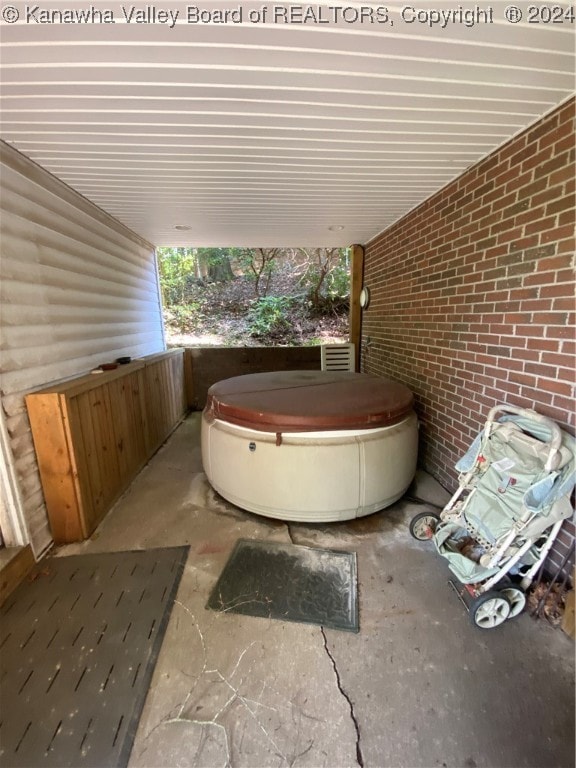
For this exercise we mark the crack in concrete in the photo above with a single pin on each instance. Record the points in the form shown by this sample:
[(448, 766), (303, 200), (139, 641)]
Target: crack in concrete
[(290, 533), (234, 696), (359, 756)]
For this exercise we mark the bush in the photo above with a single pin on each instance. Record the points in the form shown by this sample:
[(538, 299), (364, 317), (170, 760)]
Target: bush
[(268, 316), (327, 277)]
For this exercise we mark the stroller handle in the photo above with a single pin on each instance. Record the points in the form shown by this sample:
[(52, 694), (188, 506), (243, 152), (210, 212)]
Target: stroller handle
[(556, 435)]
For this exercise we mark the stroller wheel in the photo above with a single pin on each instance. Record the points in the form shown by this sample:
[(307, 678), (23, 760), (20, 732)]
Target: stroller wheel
[(516, 598), (490, 609), (423, 525)]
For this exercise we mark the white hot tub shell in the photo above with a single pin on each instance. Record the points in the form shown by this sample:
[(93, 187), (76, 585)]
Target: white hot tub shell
[(314, 475)]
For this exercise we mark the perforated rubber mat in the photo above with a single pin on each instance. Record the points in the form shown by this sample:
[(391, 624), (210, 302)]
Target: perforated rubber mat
[(290, 583), (78, 644)]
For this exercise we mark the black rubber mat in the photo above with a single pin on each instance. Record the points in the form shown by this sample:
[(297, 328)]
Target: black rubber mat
[(289, 582), (78, 644)]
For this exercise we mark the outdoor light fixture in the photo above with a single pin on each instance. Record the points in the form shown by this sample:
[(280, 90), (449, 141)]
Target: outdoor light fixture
[(336, 228), (182, 227)]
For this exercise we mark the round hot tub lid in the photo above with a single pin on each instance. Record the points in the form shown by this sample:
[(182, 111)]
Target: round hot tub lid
[(308, 401)]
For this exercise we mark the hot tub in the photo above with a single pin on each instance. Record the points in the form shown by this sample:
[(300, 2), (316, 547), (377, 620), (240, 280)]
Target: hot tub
[(311, 446)]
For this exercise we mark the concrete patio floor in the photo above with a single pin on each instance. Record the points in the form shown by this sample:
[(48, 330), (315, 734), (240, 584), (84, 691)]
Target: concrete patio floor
[(418, 686)]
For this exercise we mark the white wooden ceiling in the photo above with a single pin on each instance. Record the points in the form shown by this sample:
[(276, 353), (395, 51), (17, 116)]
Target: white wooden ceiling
[(271, 134)]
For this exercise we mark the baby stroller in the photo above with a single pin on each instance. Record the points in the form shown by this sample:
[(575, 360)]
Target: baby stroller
[(514, 488)]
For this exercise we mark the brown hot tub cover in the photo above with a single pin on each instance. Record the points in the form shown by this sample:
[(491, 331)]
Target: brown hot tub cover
[(308, 401)]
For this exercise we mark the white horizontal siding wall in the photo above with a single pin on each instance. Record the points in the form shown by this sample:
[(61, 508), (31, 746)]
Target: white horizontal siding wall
[(77, 289)]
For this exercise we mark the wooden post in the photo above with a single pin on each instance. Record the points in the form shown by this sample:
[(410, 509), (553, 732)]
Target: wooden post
[(356, 279), (189, 380)]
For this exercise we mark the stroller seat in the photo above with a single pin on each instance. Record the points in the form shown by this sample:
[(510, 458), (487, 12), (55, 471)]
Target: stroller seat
[(510, 464)]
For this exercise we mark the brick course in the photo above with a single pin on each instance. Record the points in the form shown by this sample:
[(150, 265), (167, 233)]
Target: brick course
[(473, 296)]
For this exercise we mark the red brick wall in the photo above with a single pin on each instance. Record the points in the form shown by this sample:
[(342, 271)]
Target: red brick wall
[(472, 295)]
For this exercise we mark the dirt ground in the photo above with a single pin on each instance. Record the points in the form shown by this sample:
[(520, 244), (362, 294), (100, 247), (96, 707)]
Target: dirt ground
[(218, 314)]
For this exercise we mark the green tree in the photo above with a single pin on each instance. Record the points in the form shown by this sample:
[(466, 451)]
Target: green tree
[(175, 269), (326, 276), (260, 263), (216, 263)]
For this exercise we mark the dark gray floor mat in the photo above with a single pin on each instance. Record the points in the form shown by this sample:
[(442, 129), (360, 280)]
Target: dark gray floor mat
[(78, 644), (289, 582)]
